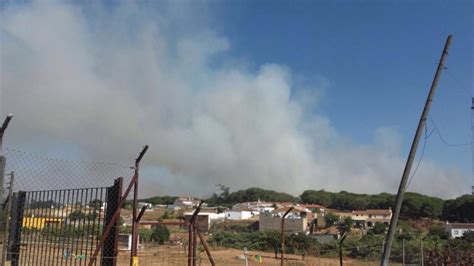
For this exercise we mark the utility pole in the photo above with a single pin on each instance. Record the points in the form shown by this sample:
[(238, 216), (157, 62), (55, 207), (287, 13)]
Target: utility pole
[(411, 156)]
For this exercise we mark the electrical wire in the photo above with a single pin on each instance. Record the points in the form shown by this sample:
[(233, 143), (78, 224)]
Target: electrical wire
[(444, 140), (421, 156), (457, 81)]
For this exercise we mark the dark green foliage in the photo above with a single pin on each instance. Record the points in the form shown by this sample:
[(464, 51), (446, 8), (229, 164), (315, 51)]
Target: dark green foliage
[(460, 209), (414, 205), (264, 240), (379, 228), (166, 215), (160, 233), (331, 219), (163, 200), (231, 227), (95, 204), (77, 215), (317, 197), (250, 194), (468, 236), (437, 232), (92, 216), (346, 225)]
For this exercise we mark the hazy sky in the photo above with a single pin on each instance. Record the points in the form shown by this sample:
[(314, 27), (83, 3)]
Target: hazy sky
[(277, 94)]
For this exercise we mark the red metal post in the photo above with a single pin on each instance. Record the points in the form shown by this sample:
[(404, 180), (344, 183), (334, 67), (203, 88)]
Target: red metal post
[(282, 236), (206, 248), (194, 243), (108, 228), (190, 244), (134, 257)]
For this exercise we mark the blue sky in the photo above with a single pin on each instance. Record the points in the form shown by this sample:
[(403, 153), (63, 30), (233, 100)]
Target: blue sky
[(379, 58), (285, 95)]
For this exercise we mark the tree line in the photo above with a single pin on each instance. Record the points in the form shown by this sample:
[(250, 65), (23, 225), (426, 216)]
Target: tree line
[(414, 206)]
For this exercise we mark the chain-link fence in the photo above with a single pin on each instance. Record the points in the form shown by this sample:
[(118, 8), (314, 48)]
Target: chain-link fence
[(58, 210)]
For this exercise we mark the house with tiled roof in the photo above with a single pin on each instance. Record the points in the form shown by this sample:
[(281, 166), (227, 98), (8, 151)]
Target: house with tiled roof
[(456, 230), (368, 218)]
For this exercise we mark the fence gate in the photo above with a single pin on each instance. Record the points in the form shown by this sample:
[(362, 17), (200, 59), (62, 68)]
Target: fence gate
[(62, 227)]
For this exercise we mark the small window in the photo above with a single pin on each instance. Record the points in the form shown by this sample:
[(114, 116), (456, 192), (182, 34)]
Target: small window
[(455, 232)]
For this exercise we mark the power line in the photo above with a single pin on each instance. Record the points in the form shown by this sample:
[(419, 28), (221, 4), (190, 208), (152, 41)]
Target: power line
[(421, 156), (436, 128), (457, 81)]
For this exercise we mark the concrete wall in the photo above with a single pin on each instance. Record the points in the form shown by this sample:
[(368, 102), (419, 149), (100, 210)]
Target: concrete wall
[(269, 222)]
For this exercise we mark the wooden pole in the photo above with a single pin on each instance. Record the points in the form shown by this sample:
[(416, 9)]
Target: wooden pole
[(412, 154)]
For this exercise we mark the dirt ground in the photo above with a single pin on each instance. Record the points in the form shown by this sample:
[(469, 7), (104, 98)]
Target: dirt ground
[(176, 255)]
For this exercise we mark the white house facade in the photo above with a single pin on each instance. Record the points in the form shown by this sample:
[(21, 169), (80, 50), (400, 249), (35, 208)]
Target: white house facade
[(240, 214), (456, 230)]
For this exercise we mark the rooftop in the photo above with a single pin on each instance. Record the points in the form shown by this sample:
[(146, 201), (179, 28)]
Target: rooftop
[(462, 225)]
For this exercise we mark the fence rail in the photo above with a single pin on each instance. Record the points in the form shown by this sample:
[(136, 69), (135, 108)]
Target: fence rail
[(58, 227)]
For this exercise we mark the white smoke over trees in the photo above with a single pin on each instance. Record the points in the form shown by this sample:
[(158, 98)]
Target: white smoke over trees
[(102, 81)]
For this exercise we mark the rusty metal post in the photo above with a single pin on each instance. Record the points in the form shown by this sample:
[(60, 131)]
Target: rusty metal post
[(192, 237), (282, 236), (7, 218), (4, 128), (340, 248), (108, 228), (190, 244), (2, 165), (194, 243), (134, 257), (206, 248)]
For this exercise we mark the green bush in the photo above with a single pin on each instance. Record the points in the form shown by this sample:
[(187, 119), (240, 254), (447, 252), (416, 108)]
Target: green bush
[(160, 233), (379, 228)]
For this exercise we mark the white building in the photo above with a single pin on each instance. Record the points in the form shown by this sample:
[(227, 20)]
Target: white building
[(368, 218), (260, 206), (184, 203), (242, 214), (458, 229)]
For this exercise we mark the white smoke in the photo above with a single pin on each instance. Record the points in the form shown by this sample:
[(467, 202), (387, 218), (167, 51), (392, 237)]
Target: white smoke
[(107, 79)]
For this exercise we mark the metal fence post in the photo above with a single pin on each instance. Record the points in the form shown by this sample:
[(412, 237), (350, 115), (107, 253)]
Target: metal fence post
[(7, 220), (3, 160), (109, 253), (282, 236), (14, 238)]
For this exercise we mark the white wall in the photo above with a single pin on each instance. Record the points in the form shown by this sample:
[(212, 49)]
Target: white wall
[(238, 215)]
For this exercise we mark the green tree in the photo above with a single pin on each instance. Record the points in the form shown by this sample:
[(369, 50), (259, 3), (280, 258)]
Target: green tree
[(92, 216), (77, 215), (379, 228), (346, 225), (96, 204), (317, 197), (160, 233), (331, 219), (437, 232), (468, 236)]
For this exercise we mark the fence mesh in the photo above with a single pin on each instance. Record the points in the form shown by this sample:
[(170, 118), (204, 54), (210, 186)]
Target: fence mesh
[(36, 172), (59, 210)]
